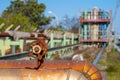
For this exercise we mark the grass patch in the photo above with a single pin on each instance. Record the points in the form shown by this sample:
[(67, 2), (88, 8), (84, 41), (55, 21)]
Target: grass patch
[(102, 63), (113, 65)]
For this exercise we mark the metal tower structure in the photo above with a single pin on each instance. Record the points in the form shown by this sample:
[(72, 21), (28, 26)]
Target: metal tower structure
[(95, 27)]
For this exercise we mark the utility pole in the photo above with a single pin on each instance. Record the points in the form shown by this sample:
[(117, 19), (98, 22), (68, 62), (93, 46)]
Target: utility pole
[(79, 28)]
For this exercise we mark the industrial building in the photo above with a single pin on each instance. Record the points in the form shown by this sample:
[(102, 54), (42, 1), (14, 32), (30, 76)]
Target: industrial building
[(94, 27)]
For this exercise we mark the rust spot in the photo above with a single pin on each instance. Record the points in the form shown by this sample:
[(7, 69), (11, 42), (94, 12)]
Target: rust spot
[(32, 35), (4, 34)]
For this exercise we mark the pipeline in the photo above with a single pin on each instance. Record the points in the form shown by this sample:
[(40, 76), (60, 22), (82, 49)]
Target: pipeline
[(40, 69), (43, 74), (87, 69), (98, 57)]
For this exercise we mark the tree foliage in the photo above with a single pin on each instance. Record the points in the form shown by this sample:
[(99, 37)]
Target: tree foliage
[(21, 20), (1, 20), (26, 13)]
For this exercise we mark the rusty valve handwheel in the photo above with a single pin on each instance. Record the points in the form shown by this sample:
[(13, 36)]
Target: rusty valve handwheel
[(36, 49), (39, 49)]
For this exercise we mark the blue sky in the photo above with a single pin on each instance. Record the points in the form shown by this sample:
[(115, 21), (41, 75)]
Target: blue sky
[(69, 7)]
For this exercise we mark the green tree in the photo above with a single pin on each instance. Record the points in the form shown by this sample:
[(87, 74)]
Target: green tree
[(21, 20), (18, 20), (1, 20), (27, 9)]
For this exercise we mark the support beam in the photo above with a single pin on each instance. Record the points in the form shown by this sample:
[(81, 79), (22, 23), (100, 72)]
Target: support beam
[(9, 28), (18, 27), (52, 40)]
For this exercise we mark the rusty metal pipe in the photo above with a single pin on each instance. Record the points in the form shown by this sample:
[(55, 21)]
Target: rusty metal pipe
[(41, 74), (85, 67)]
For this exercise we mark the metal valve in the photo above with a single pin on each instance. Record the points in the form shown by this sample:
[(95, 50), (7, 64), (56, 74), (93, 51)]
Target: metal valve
[(39, 49), (36, 49)]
